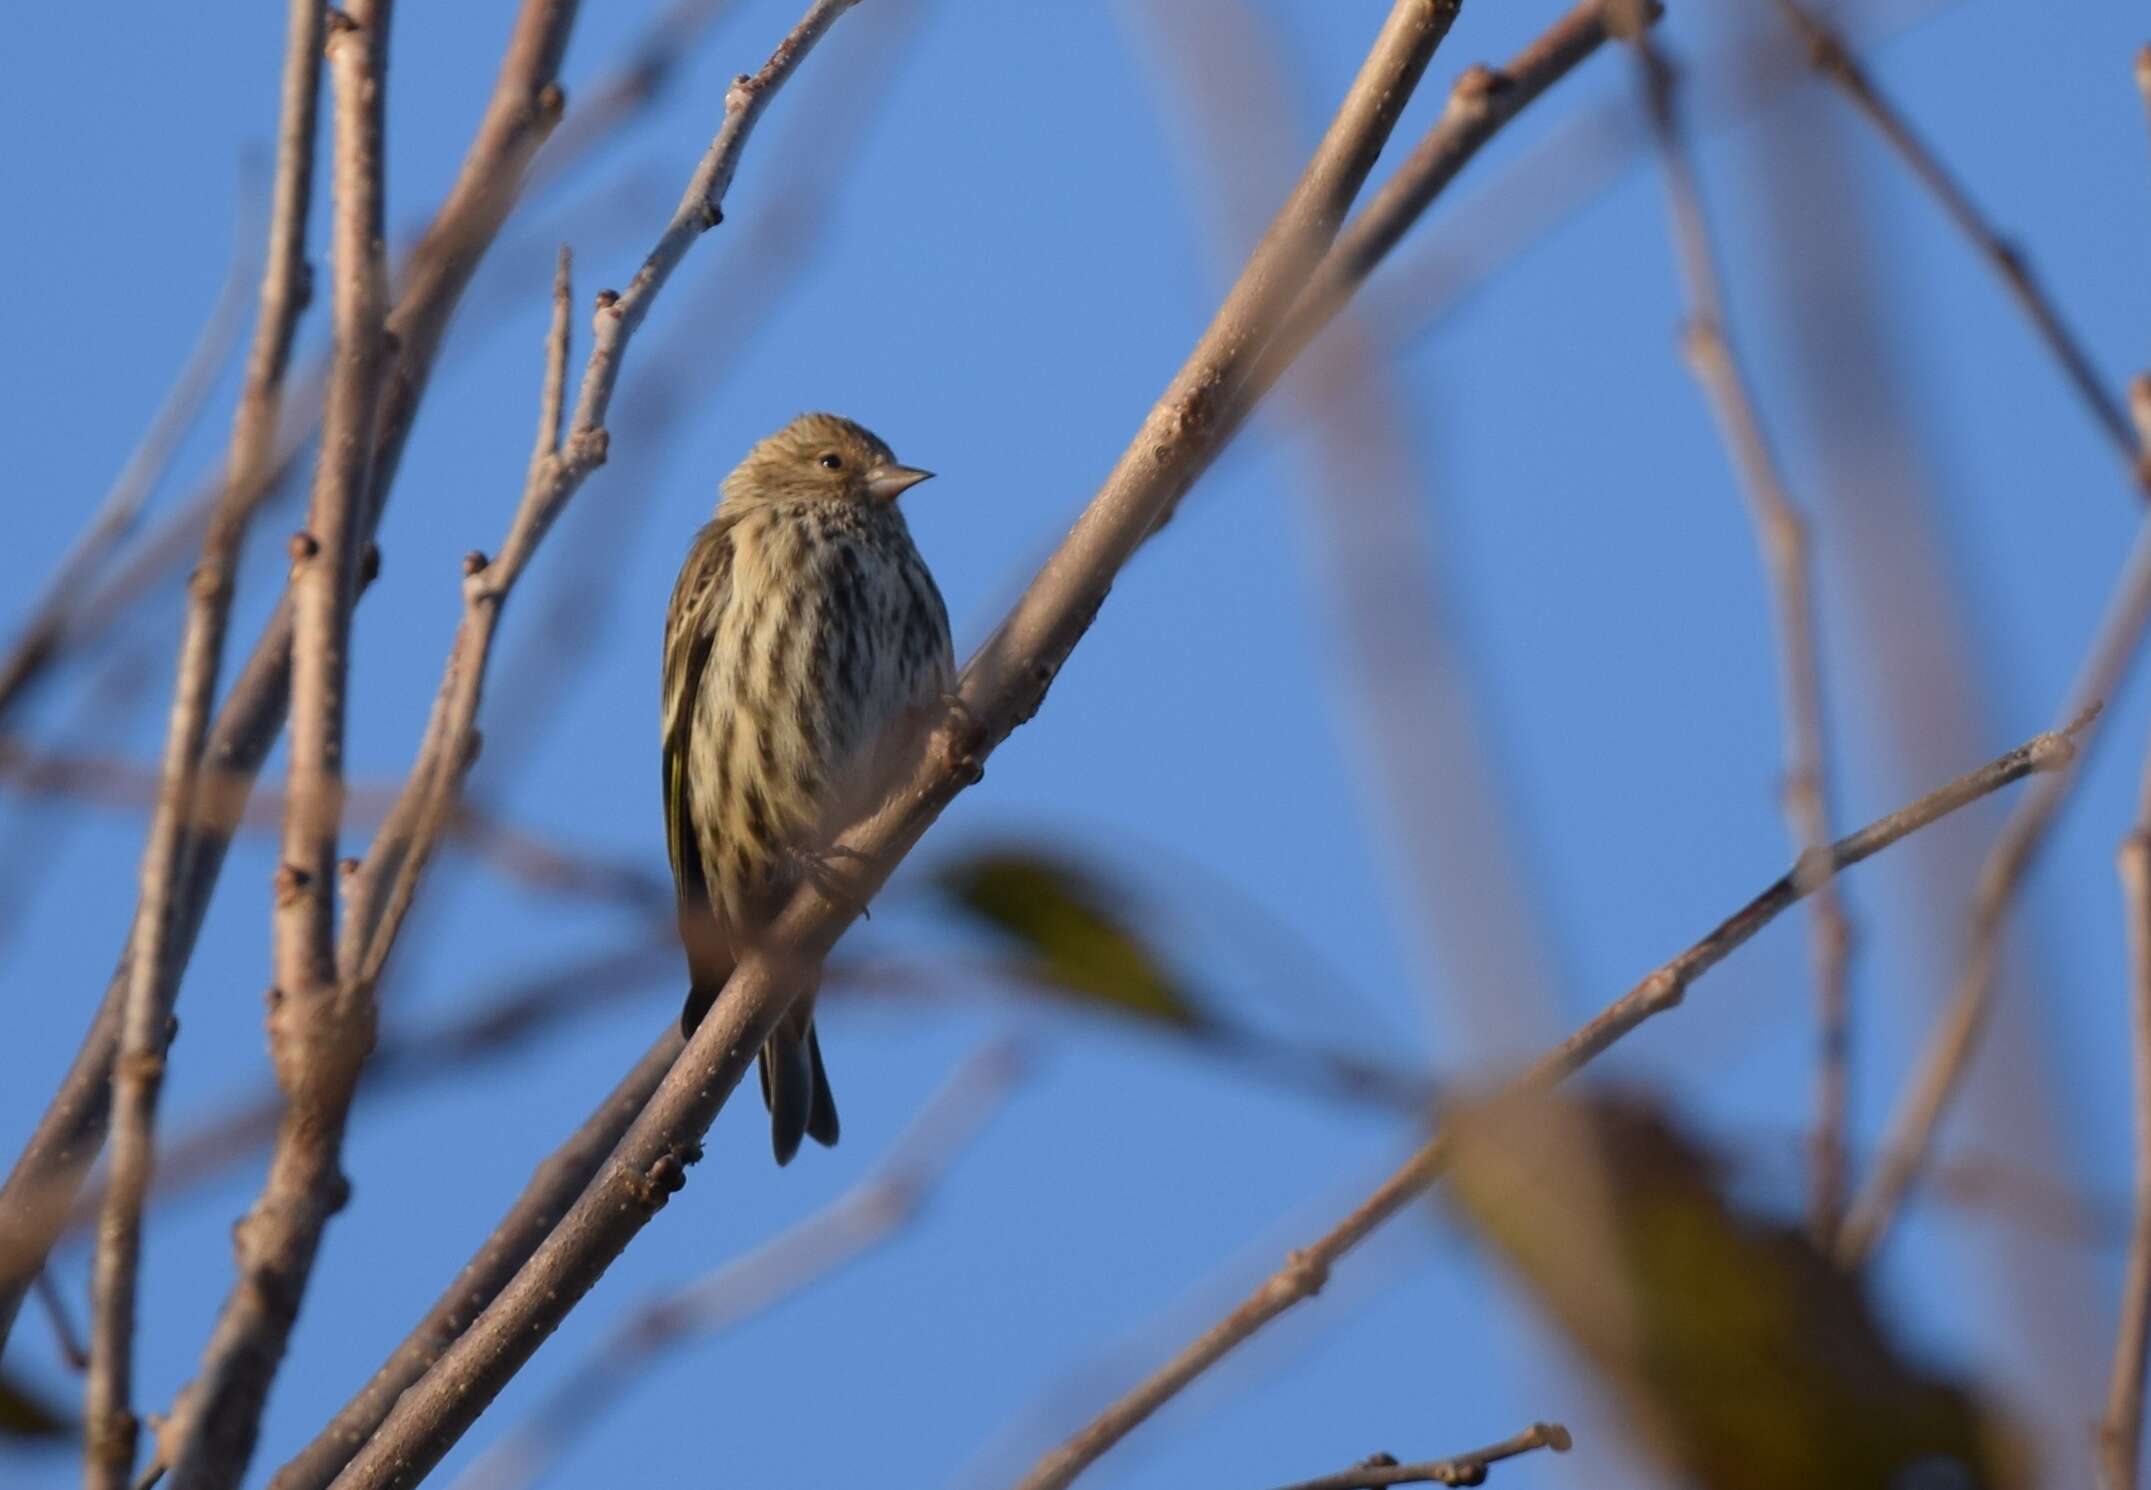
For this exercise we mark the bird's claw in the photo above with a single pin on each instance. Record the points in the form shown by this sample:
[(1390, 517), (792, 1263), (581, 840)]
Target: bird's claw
[(817, 868)]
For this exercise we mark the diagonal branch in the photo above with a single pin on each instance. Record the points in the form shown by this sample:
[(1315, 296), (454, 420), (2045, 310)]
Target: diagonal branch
[(1464, 1469), (1781, 535), (1001, 688), (2121, 1426), (1305, 1271), (864, 1217), (1834, 60), (1947, 1057), (152, 971)]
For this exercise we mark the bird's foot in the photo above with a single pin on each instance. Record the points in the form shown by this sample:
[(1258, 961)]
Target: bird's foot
[(818, 867)]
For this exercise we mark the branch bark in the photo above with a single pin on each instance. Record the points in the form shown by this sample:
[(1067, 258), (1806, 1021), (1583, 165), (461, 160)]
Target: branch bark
[(1305, 1271), (153, 958), (319, 1032)]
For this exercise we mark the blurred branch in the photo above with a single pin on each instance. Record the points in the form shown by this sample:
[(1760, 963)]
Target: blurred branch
[(1781, 536), (65, 1337), (1305, 1271), (515, 852), (1003, 686), (150, 462), (889, 1199), (525, 105), (2121, 1430), (320, 1032), (151, 972), (1465, 1469), (1946, 1058), (1834, 60), (563, 1176)]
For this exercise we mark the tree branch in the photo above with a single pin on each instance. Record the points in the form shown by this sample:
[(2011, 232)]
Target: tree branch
[(1942, 1064), (1781, 536), (1834, 60), (1305, 1271), (1465, 1469), (886, 1201), (2121, 1427), (153, 961)]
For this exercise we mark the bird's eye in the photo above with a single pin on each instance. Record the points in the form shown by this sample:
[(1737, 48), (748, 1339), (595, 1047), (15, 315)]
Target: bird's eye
[(832, 462)]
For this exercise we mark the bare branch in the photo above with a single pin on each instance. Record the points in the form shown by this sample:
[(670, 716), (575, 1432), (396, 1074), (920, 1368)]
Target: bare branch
[(526, 103), (1942, 1064), (886, 1201), (319, 1035), (379, 892), (1834, 60), (1781, 536), (152, 969), (1305, 1271), (1002, 687), (2121, 1428), (1465, 1469), (552, 1189)]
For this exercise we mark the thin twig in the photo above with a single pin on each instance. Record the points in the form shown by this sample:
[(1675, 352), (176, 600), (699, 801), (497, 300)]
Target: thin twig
[(1002, 687), (45, 633), (152, 971), (2121, 1428), (319, 1034), (378, 893), (1465, 1469), (525, 105), (885, 1202), (1834, 60), (1947, 1057), (1781, 537), (65, 1336), (563, 1176), (1305, 1271)]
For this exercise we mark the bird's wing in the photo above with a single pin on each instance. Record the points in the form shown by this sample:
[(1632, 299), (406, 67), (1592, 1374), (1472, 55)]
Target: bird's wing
[(690, 626)]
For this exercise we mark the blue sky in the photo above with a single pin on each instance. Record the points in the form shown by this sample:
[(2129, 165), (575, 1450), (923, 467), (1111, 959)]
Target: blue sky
[(999, 255)]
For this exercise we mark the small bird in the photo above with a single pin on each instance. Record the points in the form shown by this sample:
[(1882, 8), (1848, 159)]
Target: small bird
[(803, 631)]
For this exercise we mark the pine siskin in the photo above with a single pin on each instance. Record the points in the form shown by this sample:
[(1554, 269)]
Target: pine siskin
[(803, 629)]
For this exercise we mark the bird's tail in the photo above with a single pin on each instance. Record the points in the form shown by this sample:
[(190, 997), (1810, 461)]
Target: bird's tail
[(795, 1085)]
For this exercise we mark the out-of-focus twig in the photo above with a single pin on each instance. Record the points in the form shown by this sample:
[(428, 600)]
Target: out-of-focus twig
[(320, 1032), (2121, 1427), (1943, 1062), (1306, 1270), (1834, 60), (146, 467), (885, 1202), (65, 1336), (153, 962), (1781, 536), (1465, 1469)]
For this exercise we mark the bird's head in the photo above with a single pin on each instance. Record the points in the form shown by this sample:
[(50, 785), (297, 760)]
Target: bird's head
[(821, 457)]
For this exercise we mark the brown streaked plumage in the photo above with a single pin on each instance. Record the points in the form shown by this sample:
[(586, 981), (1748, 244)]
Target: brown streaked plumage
[(803, 629)]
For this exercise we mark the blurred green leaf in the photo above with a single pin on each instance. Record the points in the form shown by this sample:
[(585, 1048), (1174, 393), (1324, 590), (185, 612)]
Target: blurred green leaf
[(1074, 933), (1744, 1359), (24, 1415)]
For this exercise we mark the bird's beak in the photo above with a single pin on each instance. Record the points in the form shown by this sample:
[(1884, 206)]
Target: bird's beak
[(887, 483)]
